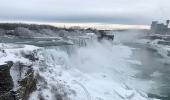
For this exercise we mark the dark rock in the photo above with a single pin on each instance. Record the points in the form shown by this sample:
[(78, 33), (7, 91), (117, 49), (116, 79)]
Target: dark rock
[(6, 83), (106, 36), (11, 95), (27, 85)]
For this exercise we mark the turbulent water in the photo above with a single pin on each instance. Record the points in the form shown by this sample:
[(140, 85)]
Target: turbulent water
[(153, 73), (154, 70)]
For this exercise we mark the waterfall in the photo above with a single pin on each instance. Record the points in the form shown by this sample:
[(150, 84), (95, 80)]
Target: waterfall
[(88, 70)]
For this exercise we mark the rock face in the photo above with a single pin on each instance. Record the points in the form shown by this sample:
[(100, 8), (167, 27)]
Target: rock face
[(6, 83), (25, 87)]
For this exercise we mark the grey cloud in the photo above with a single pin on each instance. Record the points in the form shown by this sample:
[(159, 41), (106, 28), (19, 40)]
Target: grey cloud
[(105, 11)]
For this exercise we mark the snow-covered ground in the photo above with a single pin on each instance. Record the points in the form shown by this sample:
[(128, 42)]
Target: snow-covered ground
[(12, 52)]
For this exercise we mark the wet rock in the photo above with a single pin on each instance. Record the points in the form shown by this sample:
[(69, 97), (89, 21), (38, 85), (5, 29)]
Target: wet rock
[(6, 83), (27, 85)]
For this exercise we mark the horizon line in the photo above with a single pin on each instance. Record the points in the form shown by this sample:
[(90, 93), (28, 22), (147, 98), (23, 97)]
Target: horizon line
[(106, 26)]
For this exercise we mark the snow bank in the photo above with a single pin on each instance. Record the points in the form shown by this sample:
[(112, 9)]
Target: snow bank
[(12, 52)]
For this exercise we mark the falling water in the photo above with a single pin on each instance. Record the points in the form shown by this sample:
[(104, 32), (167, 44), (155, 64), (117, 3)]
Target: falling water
[(88, 70)]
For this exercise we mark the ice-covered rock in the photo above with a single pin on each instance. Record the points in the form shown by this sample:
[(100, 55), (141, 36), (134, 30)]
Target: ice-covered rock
[(163, 50), (17, 79)]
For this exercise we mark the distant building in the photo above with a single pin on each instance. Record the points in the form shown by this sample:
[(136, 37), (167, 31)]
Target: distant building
[(105, 35), (160, 28)]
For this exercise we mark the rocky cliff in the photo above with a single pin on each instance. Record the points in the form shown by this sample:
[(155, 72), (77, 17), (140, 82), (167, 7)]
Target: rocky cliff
[(17, 79)]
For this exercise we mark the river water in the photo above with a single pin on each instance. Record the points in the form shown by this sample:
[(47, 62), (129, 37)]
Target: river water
[(153, 69)]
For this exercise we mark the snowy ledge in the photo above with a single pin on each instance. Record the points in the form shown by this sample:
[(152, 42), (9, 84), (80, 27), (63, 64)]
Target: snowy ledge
[(13, 52)]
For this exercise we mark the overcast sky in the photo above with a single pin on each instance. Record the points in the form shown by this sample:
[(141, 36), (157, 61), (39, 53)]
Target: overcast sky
[(100, 11)]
